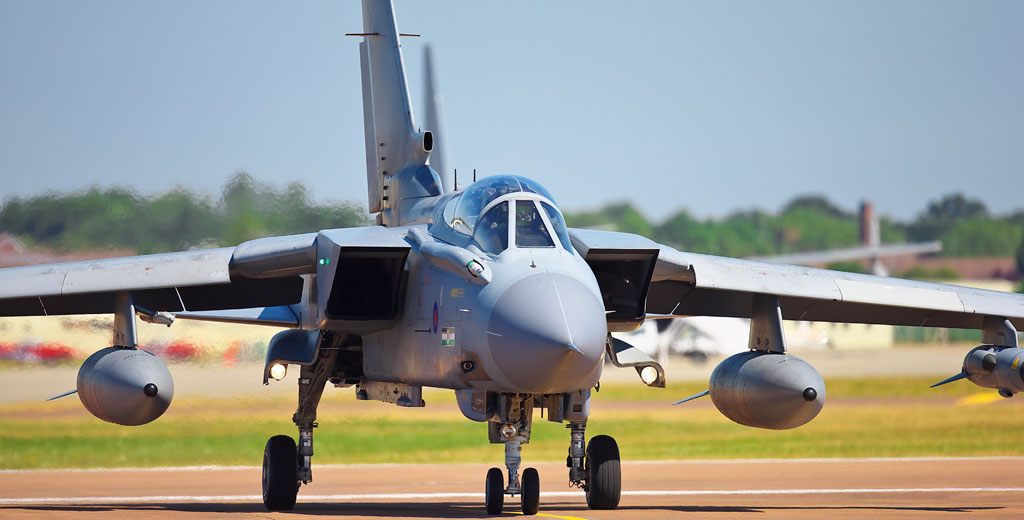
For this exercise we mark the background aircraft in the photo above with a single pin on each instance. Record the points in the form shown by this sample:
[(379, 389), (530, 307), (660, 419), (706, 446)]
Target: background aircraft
[(700, 337), (484, 291)]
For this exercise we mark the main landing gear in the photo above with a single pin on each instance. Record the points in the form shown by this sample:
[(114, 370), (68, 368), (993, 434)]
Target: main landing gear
[(285, 465), (595, 469)]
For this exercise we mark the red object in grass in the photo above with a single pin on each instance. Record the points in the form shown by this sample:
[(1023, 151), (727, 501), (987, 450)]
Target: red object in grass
[(51, 352), (181, 351), (8, 350)]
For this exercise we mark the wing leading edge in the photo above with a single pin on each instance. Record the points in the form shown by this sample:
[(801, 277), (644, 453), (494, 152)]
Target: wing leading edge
[(853, 253), (258, 273)]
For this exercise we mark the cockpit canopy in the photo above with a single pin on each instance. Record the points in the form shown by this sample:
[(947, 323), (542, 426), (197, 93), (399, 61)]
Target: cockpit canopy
[(485, 213)]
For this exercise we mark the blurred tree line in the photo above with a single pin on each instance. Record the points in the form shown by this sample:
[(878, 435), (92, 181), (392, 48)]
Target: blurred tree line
[(179, 219), (812, 222)]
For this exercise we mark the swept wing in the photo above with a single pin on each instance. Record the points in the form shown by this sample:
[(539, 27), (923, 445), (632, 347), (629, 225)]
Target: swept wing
[(689, 284), (259, 273)]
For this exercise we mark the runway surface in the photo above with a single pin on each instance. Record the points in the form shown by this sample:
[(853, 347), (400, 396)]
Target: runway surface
[(837, 488)]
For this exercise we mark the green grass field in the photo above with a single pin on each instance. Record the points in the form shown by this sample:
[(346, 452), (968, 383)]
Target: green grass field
[(863, 418)]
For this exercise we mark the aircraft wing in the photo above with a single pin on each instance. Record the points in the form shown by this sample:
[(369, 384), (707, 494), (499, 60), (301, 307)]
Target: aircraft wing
[(258, 273), (689, 284)]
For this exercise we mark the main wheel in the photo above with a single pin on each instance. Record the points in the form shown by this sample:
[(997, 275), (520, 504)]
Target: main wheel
[(280, 473), (604, 474), (531, 491), (494, 494)]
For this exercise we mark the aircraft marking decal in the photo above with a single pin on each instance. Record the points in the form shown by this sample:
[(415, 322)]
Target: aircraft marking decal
[(435, 317)]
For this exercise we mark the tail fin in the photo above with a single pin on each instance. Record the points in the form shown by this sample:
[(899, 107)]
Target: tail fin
[(433, 121), (871, 236), (392, 142), (869, 229)]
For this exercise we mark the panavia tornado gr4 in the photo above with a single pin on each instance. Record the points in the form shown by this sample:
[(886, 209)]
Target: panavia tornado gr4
[(487, 292)]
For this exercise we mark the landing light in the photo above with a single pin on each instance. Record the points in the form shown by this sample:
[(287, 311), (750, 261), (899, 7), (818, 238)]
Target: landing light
[(649, 375), (509, 430), (278, 371)]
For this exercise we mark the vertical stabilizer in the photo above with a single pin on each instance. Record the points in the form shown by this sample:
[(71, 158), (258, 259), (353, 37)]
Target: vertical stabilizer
[(869, 228), (373, 178), (871, 237), (392, 142), (433, 121)]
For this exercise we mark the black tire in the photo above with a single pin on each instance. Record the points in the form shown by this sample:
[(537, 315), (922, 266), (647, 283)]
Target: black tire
[(280, 473), (531, 491), (604, 474), (494, 492)]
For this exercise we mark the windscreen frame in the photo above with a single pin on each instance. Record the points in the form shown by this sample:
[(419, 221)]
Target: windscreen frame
[(536, 200)]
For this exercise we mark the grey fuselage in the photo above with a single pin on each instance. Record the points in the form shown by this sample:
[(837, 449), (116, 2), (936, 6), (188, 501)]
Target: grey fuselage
[(531, 320)]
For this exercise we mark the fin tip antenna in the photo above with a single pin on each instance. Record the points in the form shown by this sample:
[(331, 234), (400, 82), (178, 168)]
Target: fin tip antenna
[(948, 380), (692, 397), (65, 394)]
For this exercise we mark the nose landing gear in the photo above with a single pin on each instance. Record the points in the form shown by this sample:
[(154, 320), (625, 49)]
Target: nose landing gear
[(517, 415), (593, 467)]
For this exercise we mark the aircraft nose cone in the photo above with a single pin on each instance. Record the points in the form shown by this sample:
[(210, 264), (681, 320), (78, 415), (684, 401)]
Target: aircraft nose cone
[(547, 334)]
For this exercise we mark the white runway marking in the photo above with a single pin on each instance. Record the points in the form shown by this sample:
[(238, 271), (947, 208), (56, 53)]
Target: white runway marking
[(480, 496), (162, 469)]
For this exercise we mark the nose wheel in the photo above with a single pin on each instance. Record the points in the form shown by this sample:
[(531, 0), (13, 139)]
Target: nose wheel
[(526, 486), (494, 493), (513, 432), (531, 491)]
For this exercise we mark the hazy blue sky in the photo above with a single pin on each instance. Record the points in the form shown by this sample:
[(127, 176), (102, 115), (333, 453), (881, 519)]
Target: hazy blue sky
[(712, 106)]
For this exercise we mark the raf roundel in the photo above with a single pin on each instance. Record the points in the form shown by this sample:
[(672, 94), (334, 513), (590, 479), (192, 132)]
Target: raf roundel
[(435, 317)]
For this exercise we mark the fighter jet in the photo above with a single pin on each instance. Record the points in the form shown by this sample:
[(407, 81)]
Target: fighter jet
[(870, 249), (484, 291)]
